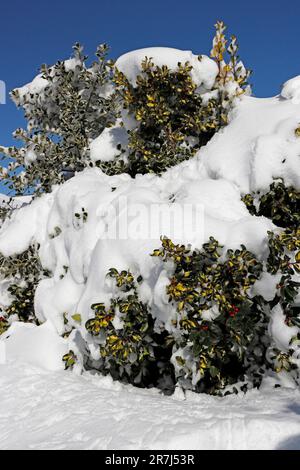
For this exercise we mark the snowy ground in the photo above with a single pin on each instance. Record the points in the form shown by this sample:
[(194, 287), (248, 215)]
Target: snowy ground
[(59, 410)]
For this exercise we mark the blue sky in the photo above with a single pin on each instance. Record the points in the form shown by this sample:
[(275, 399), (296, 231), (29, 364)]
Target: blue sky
[(34, 32)]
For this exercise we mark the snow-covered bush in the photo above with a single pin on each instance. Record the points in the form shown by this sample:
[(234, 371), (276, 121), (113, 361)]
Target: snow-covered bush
[(172, 119), (123, 331), (173, 111), (19, 275), (232, 78), (168, 109), (219, 336), (219, 331), (204, 315), (66, 107), (284, 261), (129, 348), (5, 210)]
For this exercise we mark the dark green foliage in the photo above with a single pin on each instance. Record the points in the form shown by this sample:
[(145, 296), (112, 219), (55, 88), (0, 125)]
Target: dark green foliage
[(284, 251), (218, 340), (173, 119), (125, 328), (23, 303), (170, 113), (23, 267), (75, 103), (22, 274), (281, 204), (230, 344), (284, 258)]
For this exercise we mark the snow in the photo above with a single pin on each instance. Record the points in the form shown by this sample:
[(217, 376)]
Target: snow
[(71, 64), (89, 249), (60, 410), (30, 156), (258, 145), (39, 346), (291, 90), (281, 333), (30, 220), (266, 285), (105, 147), (204, 71), (36, 86), (15, 201)]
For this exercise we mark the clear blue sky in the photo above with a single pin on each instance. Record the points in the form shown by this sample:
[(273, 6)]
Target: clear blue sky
[(34, 32)]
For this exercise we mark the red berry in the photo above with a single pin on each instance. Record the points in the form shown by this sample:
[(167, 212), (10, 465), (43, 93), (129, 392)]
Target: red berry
[(234, 311)]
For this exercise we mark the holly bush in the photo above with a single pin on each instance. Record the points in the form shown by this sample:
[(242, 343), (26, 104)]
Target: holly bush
[(73, 107), (21, 273), (70, 104), (173, 119), (233, 77), (280, 203), (125, 330), (219, 332), (169, 112), (284, 258), (217, 340)]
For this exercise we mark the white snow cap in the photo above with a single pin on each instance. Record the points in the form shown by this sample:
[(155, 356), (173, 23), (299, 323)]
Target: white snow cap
[(204, 71), (37, 85), (105, 146), (291, 89)]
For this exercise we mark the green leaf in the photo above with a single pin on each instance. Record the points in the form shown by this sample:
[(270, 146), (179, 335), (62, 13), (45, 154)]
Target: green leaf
[(213, 371), (77, 317)]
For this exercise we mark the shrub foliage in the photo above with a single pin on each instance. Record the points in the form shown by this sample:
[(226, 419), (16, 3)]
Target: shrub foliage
[(173, 119), (126, 346), (219, 331), (281, 204), (72, 108), (170, 115), (21, 273)]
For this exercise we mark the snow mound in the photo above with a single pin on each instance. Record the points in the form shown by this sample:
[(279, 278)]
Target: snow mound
[(257, 146), (106, 146), (291, 90), (88, 249), (204, 70), (39, 346)]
